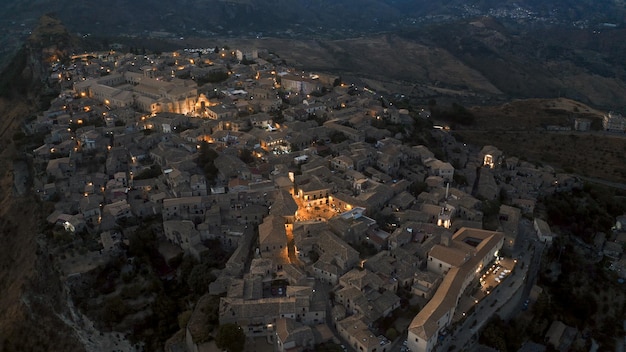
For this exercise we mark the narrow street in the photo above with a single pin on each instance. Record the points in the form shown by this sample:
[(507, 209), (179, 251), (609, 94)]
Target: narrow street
[(291, 248)]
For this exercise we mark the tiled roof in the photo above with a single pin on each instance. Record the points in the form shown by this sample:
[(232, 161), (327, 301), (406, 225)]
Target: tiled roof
[(425, 324)]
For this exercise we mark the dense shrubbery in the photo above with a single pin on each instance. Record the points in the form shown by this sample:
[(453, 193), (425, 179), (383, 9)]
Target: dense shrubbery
[(206, 161), (420, 132), (583, 212), (10, 81), (503, 336), (153, 171), (213, 77), (455, 114), (230, 337)]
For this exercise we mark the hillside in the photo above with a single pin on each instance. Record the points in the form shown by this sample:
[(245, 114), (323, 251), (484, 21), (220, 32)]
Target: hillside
[(476, 62), (300, 18), (519, 129), (484, 53), (32, 302), (32, 298), (538, 63)]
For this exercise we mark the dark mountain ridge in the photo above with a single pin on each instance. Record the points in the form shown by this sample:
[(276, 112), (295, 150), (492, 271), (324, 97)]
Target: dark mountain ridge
[(526, 48), (580, 64), (302, 17), (473, 61)]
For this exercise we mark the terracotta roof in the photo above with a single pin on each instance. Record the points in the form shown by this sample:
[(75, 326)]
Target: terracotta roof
[(426, 322), (272, 230)]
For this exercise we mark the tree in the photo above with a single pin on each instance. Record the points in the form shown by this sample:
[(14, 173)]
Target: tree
[(165, 313), (337, 137), (246, 61), (142, 243), (199, 279), (459, 179), (206, 161), (385, 220), (456, 113), (314, 256), (212, 77), (391, 334), (493, 335), (504, 196), (230, 337), (186, 266), (418, 187), (152, 172), (245, 155), (491, 210), (183, 319)]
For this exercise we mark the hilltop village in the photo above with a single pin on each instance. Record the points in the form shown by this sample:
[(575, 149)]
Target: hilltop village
[(334, 216)]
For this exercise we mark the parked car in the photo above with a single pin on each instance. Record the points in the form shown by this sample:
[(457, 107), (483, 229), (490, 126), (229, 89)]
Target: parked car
[(525, 305)]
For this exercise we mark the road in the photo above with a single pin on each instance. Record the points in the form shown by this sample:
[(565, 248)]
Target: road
[(604, 182)]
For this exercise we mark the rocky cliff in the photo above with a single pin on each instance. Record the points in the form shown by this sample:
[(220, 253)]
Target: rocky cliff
[(33, 301)]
